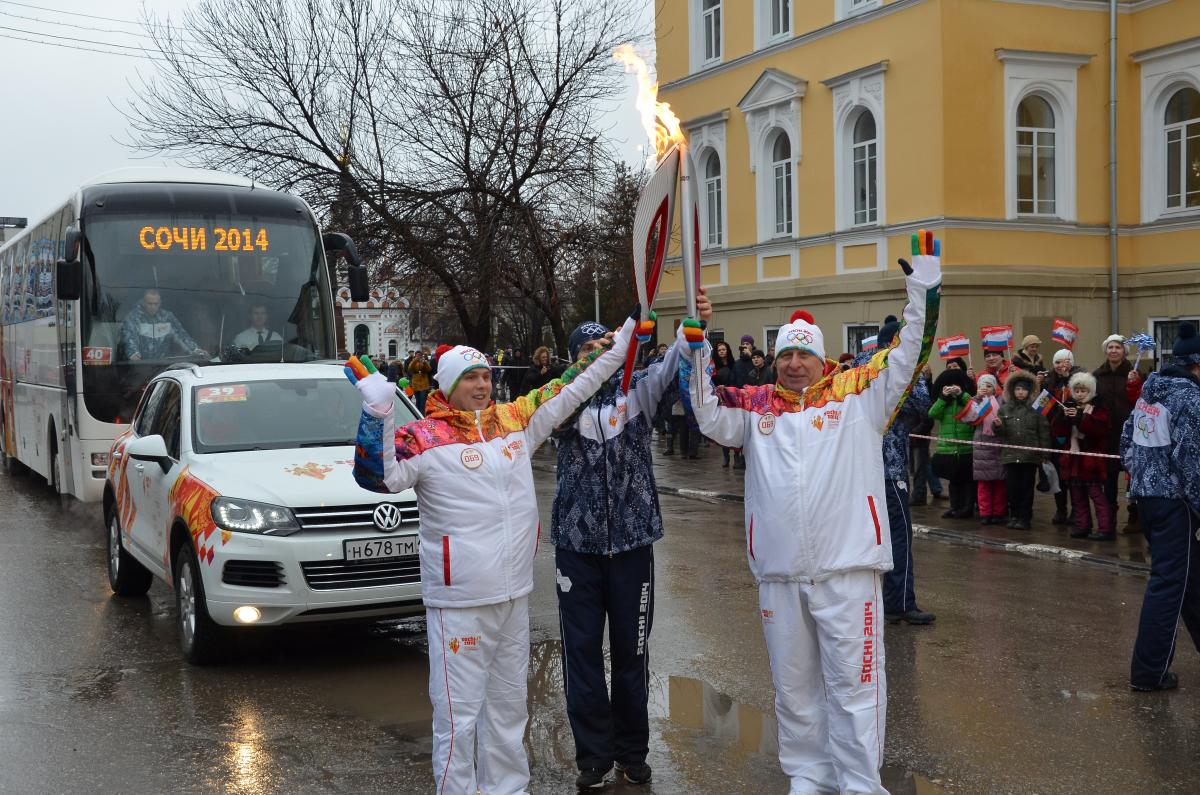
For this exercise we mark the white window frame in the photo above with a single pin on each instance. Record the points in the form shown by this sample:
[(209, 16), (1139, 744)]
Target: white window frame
[(1037, 132), (1164, 70), (772, 105), (707, 135), (1161, 354), (712, 185), (1054, 77), (783, 178), (767, 340), (844, 9), (852, 92), (865, 324), (868, 152), (763, 18), (1182, 129), (698, 34)]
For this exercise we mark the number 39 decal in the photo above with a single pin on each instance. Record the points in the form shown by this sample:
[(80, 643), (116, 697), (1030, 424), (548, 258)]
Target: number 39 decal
[(230, 393)]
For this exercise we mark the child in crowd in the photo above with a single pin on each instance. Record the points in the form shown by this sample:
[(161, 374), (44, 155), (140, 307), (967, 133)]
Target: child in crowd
[(1021, 425), (988, 470), (1089, 420)]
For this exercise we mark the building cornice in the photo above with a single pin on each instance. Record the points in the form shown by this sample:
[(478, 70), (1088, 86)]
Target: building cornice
[(1175, 48), (863, 71), (1123, 6), (1042, 58), (789, 44)]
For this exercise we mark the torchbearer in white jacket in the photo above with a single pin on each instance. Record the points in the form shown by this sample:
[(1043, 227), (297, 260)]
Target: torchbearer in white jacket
[(816, 528), (469, 462)]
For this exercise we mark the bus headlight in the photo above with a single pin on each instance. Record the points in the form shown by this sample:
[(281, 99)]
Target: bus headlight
[(247, 516)]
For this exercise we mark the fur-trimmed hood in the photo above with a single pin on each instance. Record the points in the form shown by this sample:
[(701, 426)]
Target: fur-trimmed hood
[(1018, 378)]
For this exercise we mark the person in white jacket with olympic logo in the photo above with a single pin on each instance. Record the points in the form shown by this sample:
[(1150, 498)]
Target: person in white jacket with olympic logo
[(817, 537)]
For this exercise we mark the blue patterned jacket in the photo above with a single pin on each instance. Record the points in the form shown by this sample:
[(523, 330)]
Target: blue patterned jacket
[(895, 441), (1160, 443), (607, 501)]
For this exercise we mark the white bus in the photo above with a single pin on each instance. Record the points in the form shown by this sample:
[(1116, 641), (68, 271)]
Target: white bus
[(139, 269)]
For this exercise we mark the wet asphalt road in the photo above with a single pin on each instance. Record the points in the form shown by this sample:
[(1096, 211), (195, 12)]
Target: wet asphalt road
[(1020, 687)]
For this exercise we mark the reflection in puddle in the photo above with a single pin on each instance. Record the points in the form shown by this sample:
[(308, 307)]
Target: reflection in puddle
[(696, 705)]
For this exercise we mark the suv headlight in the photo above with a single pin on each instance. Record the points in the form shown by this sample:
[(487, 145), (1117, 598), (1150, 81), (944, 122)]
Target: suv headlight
[(247, 516)]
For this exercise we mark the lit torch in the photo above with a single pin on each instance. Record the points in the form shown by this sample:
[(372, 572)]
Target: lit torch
[(656, 205)]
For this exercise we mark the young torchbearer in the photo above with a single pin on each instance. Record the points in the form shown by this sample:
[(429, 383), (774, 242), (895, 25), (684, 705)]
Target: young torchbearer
[(469, 462), (817, 535), (605, 521)]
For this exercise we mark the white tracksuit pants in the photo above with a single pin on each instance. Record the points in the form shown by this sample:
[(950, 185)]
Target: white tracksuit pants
[(825, 640), (478, 667)]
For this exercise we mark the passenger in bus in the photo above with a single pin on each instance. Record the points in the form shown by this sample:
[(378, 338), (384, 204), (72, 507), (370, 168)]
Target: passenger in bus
[(149, 330), (259, 332)]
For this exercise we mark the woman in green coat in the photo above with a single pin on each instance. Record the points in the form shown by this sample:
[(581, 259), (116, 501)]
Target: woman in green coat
[(952, 391)]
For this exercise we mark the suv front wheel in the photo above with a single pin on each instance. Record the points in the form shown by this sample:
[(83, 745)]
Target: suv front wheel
[(201, 639)]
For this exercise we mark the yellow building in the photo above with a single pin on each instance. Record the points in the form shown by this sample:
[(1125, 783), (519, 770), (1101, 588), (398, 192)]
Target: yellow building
[(825, 132)]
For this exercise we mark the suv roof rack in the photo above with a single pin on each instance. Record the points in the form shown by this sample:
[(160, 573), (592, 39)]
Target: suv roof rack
[(192, 366)]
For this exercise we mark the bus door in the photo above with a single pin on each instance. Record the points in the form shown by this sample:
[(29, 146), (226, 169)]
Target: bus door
[(65, 326)]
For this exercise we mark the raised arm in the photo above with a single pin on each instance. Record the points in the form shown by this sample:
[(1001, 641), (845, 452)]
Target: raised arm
[(384, 461), (904, 361), (646, 391), (723, 424), (544, 409)]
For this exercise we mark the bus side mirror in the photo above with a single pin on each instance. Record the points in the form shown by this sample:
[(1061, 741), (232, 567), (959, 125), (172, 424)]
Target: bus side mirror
[(69, 279), (336, 243)]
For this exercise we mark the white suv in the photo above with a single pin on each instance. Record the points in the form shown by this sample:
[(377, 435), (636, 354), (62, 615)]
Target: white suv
[(234, 483)]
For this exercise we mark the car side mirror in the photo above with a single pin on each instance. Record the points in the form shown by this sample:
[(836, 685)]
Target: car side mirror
[(149, 448), (339, 243)]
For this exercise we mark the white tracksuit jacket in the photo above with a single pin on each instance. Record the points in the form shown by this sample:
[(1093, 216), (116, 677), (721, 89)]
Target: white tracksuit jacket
[(815, 500), (474, 482)]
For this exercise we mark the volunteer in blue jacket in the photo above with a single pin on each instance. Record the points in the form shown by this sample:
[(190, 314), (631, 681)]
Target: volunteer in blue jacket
[(1160, 448), (603, 526)]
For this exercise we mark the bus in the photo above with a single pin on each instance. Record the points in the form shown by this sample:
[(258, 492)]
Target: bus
[(138, 270)]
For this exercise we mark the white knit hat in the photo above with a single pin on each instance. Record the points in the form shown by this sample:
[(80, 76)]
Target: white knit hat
[(1112, 338), (1064, 354), (454, 363), (801, 333)]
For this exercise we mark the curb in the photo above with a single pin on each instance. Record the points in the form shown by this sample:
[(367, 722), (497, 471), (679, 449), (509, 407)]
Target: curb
[(1043, 551)]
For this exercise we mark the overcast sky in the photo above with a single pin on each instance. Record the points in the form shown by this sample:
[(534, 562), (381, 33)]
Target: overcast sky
[(59, 105)]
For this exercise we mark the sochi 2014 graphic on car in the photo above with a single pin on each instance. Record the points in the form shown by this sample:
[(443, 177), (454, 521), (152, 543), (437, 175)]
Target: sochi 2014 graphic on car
[(191, 499)]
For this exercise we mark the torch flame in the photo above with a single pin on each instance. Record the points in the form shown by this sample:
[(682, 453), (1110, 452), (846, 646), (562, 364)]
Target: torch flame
[(660, 122)]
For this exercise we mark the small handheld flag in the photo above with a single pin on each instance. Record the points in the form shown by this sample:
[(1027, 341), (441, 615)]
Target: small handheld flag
[(1065, 333), (977, 412), (996, 338), (1044, 403), (870, 343), (952, 347), (1144, 342)]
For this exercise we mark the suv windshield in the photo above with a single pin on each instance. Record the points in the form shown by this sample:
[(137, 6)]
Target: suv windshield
[(200, 273), (274, 415)]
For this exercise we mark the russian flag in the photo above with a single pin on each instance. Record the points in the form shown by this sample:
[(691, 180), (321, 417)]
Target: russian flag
[(870, 343), (996, 338), (1044, 403), (1065, 333), (950, 347), (976, 412)]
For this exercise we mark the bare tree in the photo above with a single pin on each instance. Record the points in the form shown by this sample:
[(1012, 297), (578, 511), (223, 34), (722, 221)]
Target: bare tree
[(451, 136)]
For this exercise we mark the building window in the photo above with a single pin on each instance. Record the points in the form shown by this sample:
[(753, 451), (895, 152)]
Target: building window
[(1035, 157), (856, 333), (781, 17), (850, 8), (711, 15), (713, 198), (392, 349), (1182, 135), (781, 171), (864, 155), (362, 339), (1165, 333), (770, 335), (715, 335)]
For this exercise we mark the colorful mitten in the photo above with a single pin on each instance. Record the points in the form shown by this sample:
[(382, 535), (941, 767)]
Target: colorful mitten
[(376, 390), (693, 332)]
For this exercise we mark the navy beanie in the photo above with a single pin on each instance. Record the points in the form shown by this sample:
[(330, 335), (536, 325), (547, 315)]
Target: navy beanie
[(887, 332), (1186, 348), (586, 331)]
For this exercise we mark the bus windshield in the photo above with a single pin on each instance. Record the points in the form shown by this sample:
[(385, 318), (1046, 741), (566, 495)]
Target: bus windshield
[(199, 274)]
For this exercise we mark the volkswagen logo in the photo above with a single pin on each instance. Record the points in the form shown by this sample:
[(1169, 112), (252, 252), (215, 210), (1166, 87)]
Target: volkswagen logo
[(387, 517)]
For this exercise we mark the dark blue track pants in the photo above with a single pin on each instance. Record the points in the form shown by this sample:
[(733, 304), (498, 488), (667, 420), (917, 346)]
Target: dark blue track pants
[(1173, 591), (899, 595), (620, 589)]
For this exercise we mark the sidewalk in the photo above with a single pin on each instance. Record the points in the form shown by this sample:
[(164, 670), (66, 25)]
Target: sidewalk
[(705, 479)]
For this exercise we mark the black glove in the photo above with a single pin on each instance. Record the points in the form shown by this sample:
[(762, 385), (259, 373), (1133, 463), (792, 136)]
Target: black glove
[(904, 266)]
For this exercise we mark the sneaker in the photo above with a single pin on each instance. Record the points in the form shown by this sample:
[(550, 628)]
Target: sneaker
[(950, 514), (1012, 524), (1102, 536), (1059, 518), (1081, 533), (592, 778), (915, 616), (634, 772), (1170, 681)]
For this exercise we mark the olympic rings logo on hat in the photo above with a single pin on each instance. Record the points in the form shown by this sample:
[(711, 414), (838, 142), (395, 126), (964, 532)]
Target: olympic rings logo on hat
[(802, 336), (472, 355)]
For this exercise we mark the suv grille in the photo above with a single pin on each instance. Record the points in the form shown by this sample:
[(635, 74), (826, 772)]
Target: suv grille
[(337, 517), (331, 575), (253, 573)]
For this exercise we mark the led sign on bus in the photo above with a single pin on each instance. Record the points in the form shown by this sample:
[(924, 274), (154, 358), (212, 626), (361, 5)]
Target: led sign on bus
[(197, 238)]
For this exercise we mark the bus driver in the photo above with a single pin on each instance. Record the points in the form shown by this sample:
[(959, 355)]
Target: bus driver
[(149, 329), (258, 333)]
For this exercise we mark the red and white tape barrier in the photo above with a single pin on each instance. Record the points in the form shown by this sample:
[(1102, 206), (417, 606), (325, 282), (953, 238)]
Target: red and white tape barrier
[(1014, 447)]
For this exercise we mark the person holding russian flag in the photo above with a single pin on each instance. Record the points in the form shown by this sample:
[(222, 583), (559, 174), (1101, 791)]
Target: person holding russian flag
[(817, 531), (1021, 425)]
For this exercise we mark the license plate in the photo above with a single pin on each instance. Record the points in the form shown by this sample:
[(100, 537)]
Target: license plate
[(357, 550)]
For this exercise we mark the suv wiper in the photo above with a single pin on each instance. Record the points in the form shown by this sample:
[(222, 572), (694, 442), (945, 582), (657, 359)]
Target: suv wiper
[(328, 443)]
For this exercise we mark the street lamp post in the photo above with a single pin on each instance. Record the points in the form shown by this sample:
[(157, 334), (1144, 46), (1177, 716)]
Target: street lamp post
[(595, 275)]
